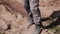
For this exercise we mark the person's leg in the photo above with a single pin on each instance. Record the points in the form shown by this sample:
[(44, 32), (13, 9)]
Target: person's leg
[(27, 7), (34, 7)]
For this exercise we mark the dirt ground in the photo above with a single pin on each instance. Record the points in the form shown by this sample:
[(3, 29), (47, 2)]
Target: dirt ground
[(14, 23)]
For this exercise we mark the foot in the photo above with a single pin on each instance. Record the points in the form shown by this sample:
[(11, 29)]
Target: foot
[(38, 30), (30, 24)]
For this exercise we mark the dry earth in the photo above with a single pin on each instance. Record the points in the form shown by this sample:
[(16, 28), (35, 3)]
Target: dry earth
[(14, 23)]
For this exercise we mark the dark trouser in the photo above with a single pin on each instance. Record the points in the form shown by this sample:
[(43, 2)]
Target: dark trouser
[(32, 7)]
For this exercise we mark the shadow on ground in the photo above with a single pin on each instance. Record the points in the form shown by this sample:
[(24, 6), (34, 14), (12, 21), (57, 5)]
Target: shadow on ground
[(54, 15)]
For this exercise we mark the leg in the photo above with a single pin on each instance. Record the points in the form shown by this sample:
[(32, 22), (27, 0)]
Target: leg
[(34, 7), (27, 7)]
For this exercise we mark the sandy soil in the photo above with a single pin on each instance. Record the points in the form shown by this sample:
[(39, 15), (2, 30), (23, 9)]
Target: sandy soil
[(10, 24)]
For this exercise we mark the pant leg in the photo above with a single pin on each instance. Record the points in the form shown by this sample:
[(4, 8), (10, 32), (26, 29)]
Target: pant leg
[(27, 7), (34, 7)]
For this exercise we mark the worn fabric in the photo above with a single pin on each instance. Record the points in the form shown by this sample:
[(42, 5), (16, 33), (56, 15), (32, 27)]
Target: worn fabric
[(32, 7)]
